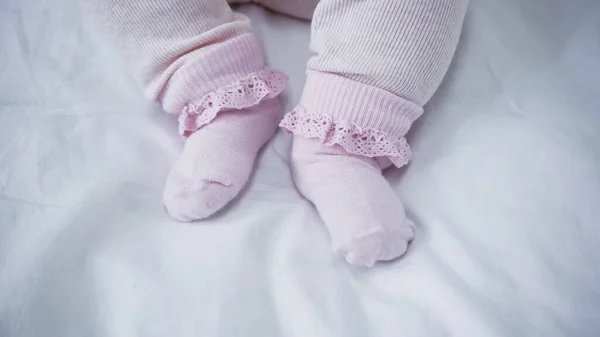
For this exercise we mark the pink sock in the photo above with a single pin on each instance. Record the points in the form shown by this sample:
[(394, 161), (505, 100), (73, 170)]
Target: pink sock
[(337, 165), (364, 216), (202, 62), (218, 157), (375, 65)]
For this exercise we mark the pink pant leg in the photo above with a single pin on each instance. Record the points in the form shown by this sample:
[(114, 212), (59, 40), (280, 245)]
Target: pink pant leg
[(180, 50), (376, 63), (203, 62)]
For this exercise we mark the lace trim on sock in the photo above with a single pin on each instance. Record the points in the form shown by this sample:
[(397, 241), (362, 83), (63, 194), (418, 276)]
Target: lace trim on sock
[(244, 93), (354, 139)]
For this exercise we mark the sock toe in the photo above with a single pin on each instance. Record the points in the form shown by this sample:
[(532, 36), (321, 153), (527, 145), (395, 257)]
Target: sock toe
[(198, 202), (377, 245)]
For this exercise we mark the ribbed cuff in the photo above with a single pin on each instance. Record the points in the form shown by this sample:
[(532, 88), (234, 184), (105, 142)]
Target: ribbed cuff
[(213, 67), (353, 102)]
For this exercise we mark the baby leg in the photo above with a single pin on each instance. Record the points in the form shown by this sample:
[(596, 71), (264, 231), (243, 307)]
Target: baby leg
[(201, 61), (376, 64)]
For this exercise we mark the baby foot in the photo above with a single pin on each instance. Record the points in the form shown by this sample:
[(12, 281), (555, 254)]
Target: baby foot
[(217, 161), (362, 212)]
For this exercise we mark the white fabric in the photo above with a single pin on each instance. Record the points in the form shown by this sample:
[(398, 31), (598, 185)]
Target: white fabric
[(504, 188)]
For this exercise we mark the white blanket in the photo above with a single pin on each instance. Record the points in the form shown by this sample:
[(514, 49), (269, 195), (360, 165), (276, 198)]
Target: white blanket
[(504, 187)]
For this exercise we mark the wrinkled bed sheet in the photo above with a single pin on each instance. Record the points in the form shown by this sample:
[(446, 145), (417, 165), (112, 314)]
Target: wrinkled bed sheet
[(504, 186)]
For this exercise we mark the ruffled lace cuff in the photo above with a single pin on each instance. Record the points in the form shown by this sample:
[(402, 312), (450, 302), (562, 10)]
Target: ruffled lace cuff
[(354, 139), (244, 93)]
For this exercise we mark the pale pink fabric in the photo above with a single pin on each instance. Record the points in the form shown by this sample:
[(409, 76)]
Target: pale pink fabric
[(364, 119), (179, 50), (376, 64), (201, 61), (354, 139), (364, 216), (217, 161)]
